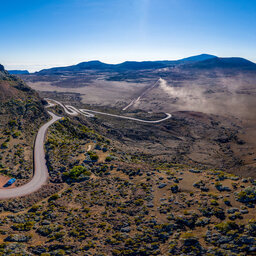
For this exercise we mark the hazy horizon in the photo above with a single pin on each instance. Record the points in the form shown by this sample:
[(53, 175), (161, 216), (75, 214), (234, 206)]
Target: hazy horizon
[(35, 68)]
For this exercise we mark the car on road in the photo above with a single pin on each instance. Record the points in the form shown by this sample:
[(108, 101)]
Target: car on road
[(9, 182)]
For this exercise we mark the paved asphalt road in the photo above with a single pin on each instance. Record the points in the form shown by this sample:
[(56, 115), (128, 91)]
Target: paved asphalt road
[(40, 169), (70, 110)]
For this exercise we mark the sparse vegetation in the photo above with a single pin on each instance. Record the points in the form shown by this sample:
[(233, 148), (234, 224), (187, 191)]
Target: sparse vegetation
[(104, 198)]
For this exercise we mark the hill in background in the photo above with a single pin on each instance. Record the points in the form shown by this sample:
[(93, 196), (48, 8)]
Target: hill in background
[(18, 72), (125, 66), (203, 61), (124, 187)]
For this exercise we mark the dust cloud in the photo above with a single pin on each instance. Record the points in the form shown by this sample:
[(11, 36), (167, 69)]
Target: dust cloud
[(224, 95)]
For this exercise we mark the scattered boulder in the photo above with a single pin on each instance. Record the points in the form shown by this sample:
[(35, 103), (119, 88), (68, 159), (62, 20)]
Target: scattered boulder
[(162, 185)]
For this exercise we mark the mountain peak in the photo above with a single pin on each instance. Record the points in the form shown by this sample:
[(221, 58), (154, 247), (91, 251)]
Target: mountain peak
[(203, 61), (200, 57), (224, 63), (91, 62), (94, 64)]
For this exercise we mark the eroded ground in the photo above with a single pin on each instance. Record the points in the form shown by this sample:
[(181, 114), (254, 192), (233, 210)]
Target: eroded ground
[(116, 203), (230, 97)]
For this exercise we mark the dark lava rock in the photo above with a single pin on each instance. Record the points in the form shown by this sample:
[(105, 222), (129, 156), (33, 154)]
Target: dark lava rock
[(162, 185)]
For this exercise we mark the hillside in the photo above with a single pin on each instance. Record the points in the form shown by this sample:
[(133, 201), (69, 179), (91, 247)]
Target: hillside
[(12, 87), (219, 88), (119, 187), (21, 114), (113, 202)]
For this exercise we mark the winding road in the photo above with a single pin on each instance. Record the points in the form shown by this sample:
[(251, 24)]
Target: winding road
[(40, 169), (70, 110)]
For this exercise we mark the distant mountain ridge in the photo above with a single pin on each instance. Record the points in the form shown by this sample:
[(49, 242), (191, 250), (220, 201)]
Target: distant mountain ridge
[(203, 61), (224, 63), (18, 72), (127, 65)]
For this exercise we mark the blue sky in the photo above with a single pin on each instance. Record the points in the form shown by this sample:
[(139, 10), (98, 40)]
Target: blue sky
[(45, 33)]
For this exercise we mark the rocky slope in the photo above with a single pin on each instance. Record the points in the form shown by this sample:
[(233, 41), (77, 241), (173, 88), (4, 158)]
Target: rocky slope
[(116, 203), (123, 188), (21, 114)]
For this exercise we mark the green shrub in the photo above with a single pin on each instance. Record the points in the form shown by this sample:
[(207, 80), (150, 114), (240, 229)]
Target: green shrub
[(225, 227), (139, 202), (77, 173), (214, 202), (16, 134), (108, 158), (247, 195), (53, 197), (12, 123), (93, 156), (27, 226), (4, 145)]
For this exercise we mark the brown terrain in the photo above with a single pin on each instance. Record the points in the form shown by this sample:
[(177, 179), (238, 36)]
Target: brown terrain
[(213, 110), (21, 112), (121, 187)]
